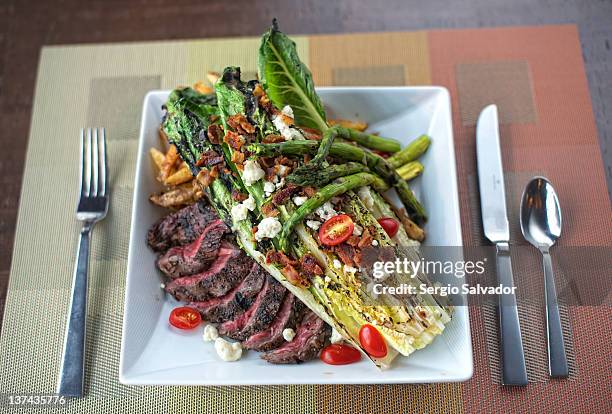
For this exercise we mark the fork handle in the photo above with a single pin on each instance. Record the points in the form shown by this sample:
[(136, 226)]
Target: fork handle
[(71, 373)]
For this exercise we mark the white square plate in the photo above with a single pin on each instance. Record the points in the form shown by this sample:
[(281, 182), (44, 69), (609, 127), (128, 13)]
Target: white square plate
[(152, 353)]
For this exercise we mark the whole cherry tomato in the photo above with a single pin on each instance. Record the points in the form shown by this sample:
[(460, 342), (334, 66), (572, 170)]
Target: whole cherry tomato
[(390, 225), (340, 354), (372, 341)]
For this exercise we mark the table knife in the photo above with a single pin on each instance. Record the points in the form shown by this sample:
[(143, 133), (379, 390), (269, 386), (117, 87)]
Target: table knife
[(496, 229)]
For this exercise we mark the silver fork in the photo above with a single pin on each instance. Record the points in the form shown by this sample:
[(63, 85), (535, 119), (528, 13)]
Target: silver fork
[(92, 207)]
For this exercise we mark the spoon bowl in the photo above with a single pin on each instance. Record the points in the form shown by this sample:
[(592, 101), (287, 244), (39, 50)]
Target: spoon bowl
[(540, 213)]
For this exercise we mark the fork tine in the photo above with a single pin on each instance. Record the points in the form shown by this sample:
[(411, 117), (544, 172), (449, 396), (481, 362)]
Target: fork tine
[(103, 164), (94, 163), (87, 164)]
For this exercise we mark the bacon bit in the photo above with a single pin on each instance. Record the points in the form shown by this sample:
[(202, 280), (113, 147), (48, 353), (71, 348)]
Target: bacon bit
[(345, 253), (353, 240), (283, 160), (358, 258), (258, 91), (268, 210), (311, 133), (237, 157), (273, 139), (254, 230), (240, 124), (281, 196), (234, 140), (287, 120), (310, 191), (366, 239), (273, 256), (307, 158), (214, 133), (205, 177), (213, 118), (310, 266), (266, 162), (293, 276), (238, 196), (209, 158), (270, 173)]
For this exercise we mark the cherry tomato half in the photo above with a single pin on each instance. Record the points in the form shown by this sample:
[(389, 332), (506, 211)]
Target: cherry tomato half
[(185, 318), (340, 354), (390, 225), (336, 230), (372, 341)]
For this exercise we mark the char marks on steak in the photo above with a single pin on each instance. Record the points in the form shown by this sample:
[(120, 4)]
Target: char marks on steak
[(181, 227), (235, 302), (223, 275), (261, 313), (311, 336), (287, 317), (196, 256)]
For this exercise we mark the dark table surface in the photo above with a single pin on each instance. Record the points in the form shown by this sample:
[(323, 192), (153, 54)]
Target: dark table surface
[(27, 26)]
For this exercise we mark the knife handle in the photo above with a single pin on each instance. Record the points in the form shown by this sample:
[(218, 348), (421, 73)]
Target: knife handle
[(514, 371)]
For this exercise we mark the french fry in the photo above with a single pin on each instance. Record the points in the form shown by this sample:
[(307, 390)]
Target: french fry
[(182, 175), (358, 125), (213, 77), (158, 158), (176, 197), (200, 87), (169, 161)]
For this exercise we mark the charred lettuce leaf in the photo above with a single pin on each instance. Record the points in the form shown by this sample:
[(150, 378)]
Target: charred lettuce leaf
[(287, 80)]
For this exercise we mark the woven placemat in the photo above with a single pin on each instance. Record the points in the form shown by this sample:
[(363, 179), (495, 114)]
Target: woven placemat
[(535, 75)]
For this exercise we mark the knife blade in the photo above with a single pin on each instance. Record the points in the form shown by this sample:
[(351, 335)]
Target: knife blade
[(496, 229)]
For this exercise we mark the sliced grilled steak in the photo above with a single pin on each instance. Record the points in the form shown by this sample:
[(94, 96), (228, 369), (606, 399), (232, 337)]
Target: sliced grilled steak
[(260, 315), (287, 317), (196, 256), (238, 300), (181, 227), (311, 336), (223, 275)]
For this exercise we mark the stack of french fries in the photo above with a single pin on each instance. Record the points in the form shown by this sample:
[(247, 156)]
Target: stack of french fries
[(180, 186)]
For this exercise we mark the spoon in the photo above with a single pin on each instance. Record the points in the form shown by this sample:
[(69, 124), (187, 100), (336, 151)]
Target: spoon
[(541, 226)]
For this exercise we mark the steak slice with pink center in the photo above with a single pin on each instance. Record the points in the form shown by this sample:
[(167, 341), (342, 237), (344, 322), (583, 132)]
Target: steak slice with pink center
[(287, 317), (311, 336), (196, 256), (260, 315), (224, 274), (237, 301)]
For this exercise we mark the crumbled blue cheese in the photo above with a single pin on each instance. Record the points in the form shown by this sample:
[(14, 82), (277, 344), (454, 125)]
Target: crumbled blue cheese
[(326, 211), (281, 183), (249, 203), (374, 242), (252, 172), (269, 188), (283, 170), (210, 333), (350, 269), (239, 212), (268, 228), (313, 224), (357, 230), (335, 337), (366, 197), (299, 200), (228, 351), (337, 264), (287, 111), (288, 334)]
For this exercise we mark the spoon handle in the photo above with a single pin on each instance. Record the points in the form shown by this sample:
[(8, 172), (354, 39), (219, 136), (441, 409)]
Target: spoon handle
[(557, 361)]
